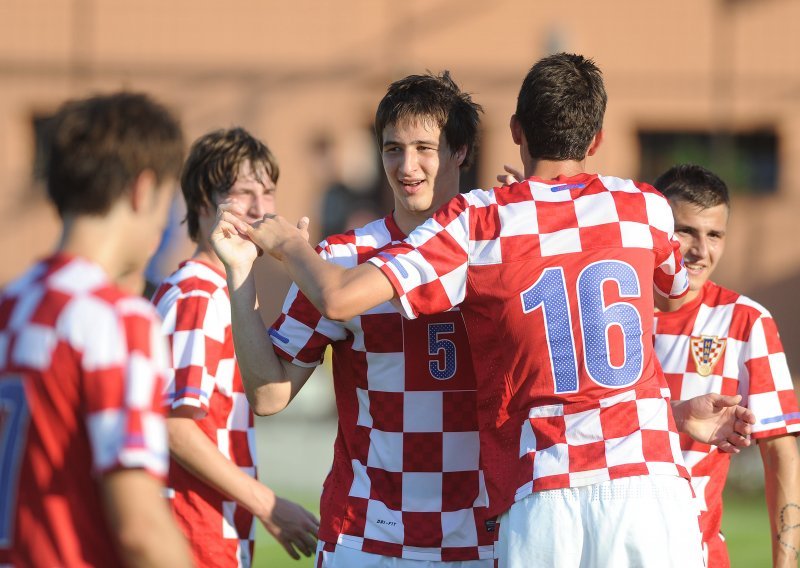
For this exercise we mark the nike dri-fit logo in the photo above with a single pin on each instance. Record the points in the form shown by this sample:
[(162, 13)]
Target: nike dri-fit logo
[(567, 186)]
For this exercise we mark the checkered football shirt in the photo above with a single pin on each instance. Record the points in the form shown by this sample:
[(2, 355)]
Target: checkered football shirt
[(405, 479), (81, 371), (196, 309), (725, 343), (555, 283)]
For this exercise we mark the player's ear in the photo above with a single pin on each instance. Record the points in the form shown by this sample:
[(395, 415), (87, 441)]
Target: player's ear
[(461, 155), (143, 190), (516, 130), (595, 143)]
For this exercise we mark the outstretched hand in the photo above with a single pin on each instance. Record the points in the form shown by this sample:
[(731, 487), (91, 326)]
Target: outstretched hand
[(273, 233), (237, 243), (229, 239), (717, 420)]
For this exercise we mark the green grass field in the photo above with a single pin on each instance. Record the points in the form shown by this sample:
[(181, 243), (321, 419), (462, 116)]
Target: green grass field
[(745, 525)]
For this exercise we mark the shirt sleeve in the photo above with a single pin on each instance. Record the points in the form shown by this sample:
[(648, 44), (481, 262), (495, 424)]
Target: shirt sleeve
[(428, 270), (124, 368), (196, 337), (670, 276), (765, 381), (300, 334)]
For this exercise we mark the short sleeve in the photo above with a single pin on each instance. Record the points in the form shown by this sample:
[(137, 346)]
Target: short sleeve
[(300, 334), (770, 392), (123, 371), (428, 270), (196, 336)]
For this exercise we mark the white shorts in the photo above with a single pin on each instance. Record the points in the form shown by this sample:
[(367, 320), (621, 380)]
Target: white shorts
[(337, 556), (647, 521)]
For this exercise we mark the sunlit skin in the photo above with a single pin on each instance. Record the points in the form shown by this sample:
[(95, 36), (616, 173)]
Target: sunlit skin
[(422, 170), (701, 233), (254, 191)]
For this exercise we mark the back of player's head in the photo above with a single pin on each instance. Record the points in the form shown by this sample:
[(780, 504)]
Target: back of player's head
[(560, 107), (101, 144), (434, 98), (694, 184), (213, 165)]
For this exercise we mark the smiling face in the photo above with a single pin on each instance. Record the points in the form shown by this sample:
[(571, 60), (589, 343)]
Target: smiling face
[(701, 232), (421, 168)]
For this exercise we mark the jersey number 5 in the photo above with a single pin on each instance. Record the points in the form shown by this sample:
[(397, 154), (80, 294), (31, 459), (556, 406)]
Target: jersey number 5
[(14, 416), (550, 294), (444, 367)]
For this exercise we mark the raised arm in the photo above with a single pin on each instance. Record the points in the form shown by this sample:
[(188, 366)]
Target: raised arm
[(338, 293), (270, 382)]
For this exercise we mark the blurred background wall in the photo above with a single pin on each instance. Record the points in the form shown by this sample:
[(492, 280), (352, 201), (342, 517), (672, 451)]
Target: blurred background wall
[(716, 82)]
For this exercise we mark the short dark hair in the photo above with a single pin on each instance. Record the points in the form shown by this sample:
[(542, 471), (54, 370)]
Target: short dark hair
[(436, 98), (99, 146), (694, 184), (560, 106), (213, 165)]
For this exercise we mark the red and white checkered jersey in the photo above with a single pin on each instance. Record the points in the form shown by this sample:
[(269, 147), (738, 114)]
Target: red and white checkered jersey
[(81, 372), (725, 343), (405, 480), (555, 281), (196, 309)]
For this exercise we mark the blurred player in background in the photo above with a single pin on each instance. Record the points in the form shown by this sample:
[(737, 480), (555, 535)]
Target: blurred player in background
[(722, 342), (83, 445), (575, 427), (213, 486), (405, 489)]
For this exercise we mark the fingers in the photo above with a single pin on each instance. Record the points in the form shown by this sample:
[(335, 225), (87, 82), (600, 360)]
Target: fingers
[(287, 546), (721, 401), (303, 223), (226, 219), (727, 447), (746, 415), (514, 171)]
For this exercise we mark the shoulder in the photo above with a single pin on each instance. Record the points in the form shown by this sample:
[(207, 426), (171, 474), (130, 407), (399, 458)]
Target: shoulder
[(192, 279)]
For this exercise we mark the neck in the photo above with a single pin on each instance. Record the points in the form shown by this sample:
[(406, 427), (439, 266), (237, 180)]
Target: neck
[(407, 221), (551, 169), (91, 237), (205, 253)]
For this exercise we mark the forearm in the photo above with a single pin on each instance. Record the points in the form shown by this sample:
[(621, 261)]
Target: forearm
[(190, 446), (782, 492), (338, 293), (264, 375)]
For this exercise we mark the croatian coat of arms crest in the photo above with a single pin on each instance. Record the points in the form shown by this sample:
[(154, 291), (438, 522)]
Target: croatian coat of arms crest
[(706, 351)]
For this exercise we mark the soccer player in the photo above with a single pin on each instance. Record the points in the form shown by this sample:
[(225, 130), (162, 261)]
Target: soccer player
[(554, 277), (83, 445), (405, 488), (722, 342), (213, 488)]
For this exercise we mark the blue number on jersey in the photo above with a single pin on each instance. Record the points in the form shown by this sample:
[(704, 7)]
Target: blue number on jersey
[(550, 293), (14, 417), (441, 370)]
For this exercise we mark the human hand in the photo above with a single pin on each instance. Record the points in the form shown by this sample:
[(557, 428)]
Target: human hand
[(512, 175), (292, 526), (717, 420), (229, 237), (273, 233)]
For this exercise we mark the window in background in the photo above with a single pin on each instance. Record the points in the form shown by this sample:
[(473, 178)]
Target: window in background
[(746, 160)]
